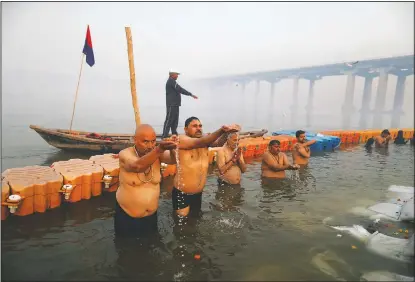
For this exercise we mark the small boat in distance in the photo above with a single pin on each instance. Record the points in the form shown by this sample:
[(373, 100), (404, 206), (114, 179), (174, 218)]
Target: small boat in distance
[(100, 142)]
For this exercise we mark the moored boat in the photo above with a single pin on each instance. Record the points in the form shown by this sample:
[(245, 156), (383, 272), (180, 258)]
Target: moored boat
[(100, 142)]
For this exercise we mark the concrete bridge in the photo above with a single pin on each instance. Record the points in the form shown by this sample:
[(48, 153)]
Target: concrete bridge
[(401, 67)]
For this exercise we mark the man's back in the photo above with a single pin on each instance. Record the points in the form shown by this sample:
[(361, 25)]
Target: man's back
[(173, 97)]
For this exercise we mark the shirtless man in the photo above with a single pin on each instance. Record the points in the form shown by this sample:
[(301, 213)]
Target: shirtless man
[(275, 162), (382, 141), (230, 161), (193, 165), (301, 151), (138, 193)]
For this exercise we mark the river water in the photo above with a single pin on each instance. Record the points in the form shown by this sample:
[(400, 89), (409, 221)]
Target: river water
[(260, 231)]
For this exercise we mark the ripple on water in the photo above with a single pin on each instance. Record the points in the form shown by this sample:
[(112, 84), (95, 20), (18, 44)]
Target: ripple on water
[(263, 231)]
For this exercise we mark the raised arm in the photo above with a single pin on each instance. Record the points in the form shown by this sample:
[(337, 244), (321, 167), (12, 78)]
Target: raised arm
[(188, 143), (220, 141), (131, 163), (269, 160), (309, 143)]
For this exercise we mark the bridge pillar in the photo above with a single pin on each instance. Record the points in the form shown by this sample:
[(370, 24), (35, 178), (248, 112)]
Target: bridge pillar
[(348, 108), (380, 98), (243, 85), (365, 108), (242, 100), (271, 105), (348, 99), (398, 101), (309, 106), (256, 101), (294, 106)]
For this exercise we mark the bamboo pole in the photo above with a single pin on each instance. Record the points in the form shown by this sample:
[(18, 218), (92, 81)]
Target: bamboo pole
[(77, 88), (132, 74)]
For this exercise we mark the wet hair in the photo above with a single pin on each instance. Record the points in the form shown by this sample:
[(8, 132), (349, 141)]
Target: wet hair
[(385, 131), (299, 132), (369, 142), (274, 142), (189, 120)]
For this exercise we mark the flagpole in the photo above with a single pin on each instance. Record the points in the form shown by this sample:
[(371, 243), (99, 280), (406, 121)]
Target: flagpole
[(77, 88), (132, 75)]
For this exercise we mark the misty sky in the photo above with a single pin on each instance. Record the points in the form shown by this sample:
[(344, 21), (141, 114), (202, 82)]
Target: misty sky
[(201, 39)]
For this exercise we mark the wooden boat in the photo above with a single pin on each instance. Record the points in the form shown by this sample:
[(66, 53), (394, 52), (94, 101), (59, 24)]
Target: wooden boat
[(100, 142), (104, 142)]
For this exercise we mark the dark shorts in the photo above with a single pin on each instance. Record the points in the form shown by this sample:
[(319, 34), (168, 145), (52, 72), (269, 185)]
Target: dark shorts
[(125, 225), (182, 200)]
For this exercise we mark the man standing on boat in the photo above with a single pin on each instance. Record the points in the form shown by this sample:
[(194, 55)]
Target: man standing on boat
[(173, 102)]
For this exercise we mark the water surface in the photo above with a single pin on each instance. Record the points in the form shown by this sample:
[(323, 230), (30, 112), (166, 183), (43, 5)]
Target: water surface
[(262, 230)]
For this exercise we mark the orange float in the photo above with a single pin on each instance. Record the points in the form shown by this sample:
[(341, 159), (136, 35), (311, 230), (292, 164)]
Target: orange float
[(84, 175), (38, 186), (5, 192), (111, 166)]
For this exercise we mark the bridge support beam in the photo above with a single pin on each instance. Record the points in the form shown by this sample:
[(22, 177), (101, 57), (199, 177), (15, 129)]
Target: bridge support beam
[(271, 105), (380, 98), (309, 106), (365, 108), (348, 108), (398, 101), (294, 106), (256, 101)]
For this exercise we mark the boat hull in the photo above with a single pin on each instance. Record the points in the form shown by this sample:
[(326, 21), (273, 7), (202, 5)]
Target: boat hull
[(70, 142), (79, 140)]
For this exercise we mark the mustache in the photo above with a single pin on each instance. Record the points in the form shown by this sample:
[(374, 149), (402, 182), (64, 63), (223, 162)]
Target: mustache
[(199, 131)]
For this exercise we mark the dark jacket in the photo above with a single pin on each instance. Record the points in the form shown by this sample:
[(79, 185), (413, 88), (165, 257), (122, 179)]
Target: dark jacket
[(173, 91)]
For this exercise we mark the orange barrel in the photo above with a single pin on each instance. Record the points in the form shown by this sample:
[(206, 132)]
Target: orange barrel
[(5, 192), (331, 133), (84, 175), (169, 170), (248, 147), (394, 133), (111, 167), (286, 141), (356, 137), (408, 133), (344, 137), (244, 149), (366, 134), (261, 148), (39, 187)]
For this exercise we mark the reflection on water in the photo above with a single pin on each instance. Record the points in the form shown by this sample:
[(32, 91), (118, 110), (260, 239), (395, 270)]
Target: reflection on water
[(262, 229)]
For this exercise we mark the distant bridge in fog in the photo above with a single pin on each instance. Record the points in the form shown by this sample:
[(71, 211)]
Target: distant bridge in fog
[(401, 66)]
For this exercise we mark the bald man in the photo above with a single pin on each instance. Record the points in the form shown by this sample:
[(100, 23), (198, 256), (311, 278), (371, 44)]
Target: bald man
[(139, 183)]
